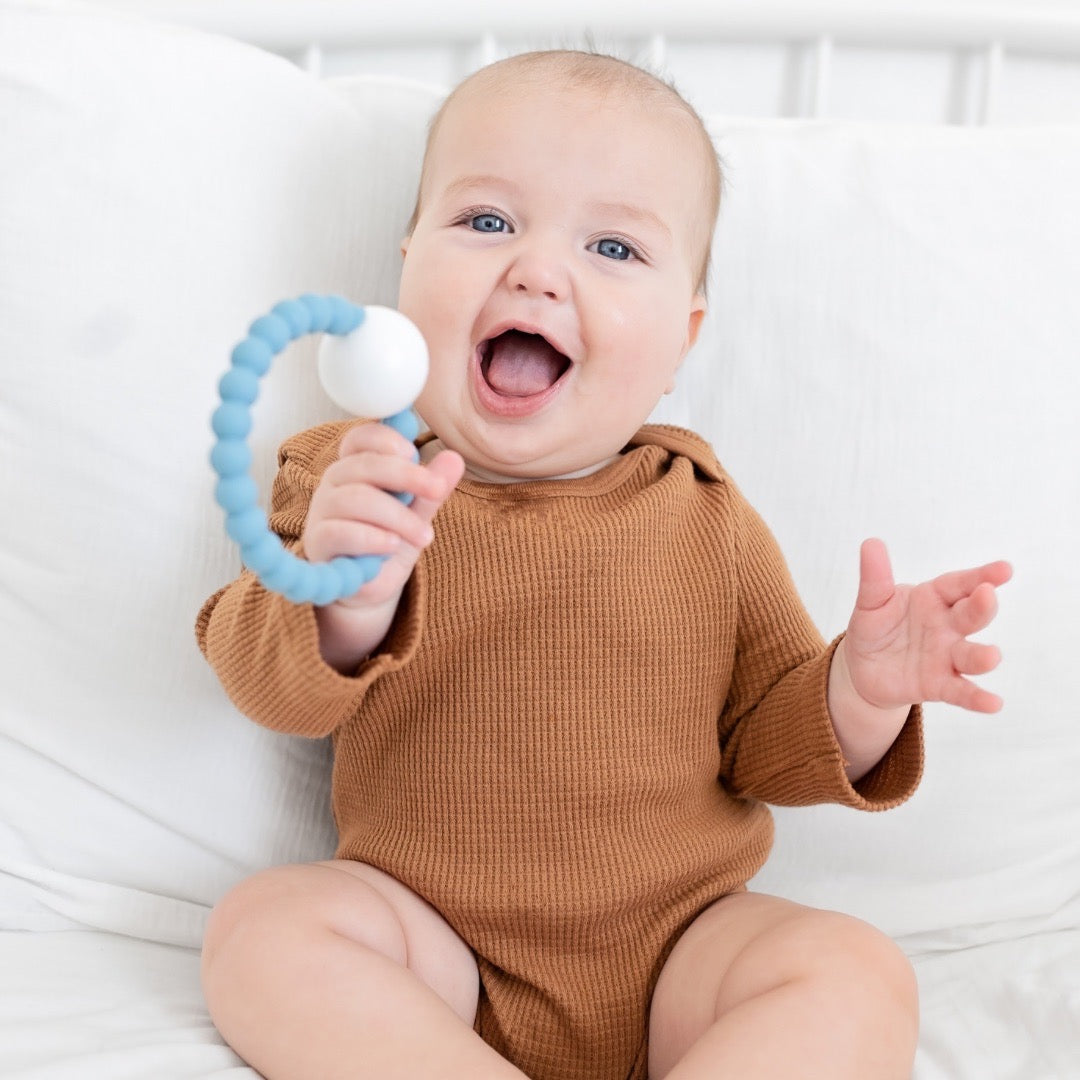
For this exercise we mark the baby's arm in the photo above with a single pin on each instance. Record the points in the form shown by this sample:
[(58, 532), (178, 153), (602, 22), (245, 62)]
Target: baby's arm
[(907, 644), (354, 512), (267, 651)]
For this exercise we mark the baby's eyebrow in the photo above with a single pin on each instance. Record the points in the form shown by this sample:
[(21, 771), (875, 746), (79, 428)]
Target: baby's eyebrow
[(619, 210), (487, 181)]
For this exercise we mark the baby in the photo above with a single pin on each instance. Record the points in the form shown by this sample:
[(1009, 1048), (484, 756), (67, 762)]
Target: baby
[(559, 709)]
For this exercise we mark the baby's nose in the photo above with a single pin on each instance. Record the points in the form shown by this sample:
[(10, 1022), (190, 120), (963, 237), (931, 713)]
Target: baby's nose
[(538, 273)]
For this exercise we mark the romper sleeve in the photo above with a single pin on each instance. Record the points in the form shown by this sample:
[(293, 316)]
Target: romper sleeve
[(777, 739), (265, 649)]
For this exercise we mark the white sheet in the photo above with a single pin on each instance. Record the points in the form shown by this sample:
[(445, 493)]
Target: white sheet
[(86, 1005), (89, 1005), (1007, 1011)]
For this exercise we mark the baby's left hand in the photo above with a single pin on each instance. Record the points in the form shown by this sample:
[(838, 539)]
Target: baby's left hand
[(908, 643)]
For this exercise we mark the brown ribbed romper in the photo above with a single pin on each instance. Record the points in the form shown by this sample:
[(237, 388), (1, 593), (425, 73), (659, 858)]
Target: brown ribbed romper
[(562, 745)]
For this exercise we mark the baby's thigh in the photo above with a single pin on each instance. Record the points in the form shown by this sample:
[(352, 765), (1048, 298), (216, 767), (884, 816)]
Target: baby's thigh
[(748, 944), (293, 905), (433, 950)]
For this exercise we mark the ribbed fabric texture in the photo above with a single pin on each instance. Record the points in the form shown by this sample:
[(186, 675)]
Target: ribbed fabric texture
[(591, 688)]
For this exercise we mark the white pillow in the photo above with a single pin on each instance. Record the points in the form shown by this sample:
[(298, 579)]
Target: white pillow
[(875, 294), (892, 350), (159, 189)]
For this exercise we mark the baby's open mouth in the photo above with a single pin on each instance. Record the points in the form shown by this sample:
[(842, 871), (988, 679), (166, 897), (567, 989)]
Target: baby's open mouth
[(521, 365)]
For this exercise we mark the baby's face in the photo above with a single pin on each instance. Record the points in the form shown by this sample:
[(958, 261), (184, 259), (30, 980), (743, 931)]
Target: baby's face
[(552, 272)]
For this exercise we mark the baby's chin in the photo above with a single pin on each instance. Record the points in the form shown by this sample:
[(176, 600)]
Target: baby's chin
[(559, 467), (491, 469)]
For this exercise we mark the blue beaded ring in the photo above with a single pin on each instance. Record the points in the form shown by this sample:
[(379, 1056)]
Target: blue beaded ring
[(279, 570)]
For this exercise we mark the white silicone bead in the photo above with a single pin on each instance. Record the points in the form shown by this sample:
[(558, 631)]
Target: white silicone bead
[(379, 368)]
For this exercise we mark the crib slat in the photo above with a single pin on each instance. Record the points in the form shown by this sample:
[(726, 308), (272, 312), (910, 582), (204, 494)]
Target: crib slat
[(991, 85), (487, 50), (656, 52), (1048, 26), (818, 95)]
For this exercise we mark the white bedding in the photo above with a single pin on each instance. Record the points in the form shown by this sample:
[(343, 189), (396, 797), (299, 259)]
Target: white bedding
[(82, 1005), (90, 1005), (1007, 1011)]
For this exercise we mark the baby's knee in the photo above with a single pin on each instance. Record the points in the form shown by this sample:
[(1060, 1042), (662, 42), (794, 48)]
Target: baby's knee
[(285, 924), (246, 915), (286, 906), (865, 969)]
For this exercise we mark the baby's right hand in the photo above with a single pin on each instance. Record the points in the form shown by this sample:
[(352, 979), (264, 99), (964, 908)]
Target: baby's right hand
[(354, 510)]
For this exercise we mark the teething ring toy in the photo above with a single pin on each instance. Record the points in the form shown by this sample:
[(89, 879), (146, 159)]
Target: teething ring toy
[(373, 362)]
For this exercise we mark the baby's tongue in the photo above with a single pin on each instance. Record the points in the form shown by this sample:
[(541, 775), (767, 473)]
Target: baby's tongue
[(520, 365)]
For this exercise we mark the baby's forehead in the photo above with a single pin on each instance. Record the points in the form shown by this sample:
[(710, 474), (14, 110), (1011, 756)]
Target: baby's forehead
[(635, 111), (629, 100)]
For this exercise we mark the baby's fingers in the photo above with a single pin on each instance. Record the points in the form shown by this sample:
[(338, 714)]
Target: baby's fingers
[(387, 472), (972, 658), (966, 695), (444, 471), (351, 505), (975, 612), (375, 438), (955, 586), (344, 534)]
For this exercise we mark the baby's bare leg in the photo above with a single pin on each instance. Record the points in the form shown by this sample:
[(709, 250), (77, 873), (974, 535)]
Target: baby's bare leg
[(336, 970), (762, 987)]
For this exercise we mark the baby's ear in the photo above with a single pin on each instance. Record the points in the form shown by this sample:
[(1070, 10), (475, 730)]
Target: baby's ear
[(698, 307), (697, 314)]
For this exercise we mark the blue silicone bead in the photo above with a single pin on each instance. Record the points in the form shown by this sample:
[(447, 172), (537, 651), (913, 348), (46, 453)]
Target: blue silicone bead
[(352, 574), (303, 588), (404, 422), (328, 585), (282, 577), (230, 457), (253, 353), (239, 384), (357, 315), (236, 493), (273, 329), (344, 316), (320, 309), (247, 526), (231, 421), (264, 554), (296, 315), (370, 565)]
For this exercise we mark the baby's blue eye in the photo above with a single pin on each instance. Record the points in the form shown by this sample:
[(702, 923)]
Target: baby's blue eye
[(613, 249), (490, 223)]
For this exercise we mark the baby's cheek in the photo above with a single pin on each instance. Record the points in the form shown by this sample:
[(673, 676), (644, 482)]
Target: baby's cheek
[(634, 329), (430, 294)]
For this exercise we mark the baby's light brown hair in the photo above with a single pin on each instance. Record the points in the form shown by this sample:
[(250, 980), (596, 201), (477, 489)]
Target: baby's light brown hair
[(602, 74)]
